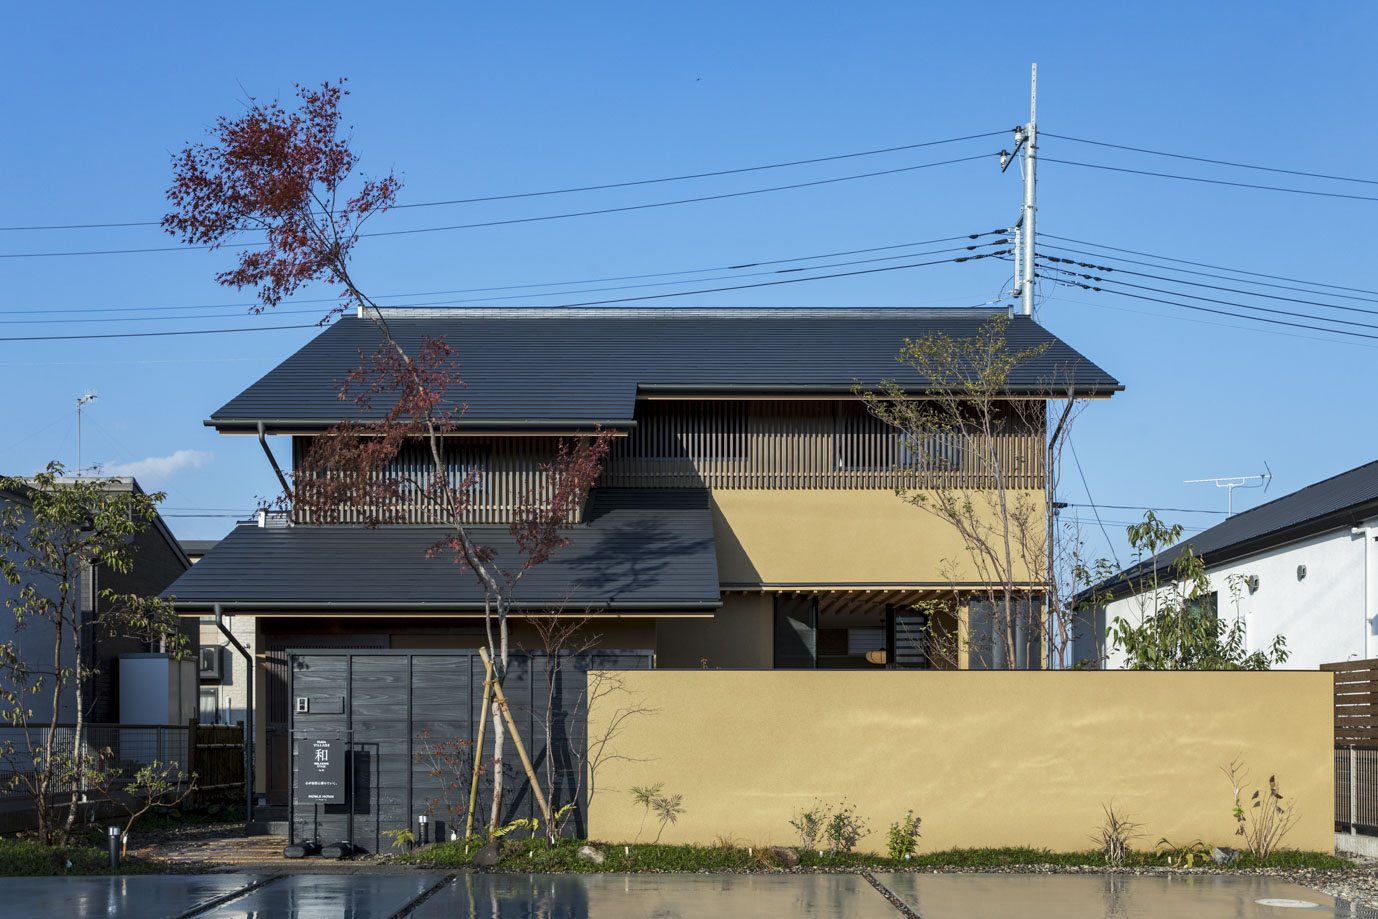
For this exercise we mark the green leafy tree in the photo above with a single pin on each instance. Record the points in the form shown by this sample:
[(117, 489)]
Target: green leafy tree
[(957, 468), (1180, 627), (52, 534)]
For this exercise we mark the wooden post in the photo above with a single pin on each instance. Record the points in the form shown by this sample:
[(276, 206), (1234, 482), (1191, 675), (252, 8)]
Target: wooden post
[(478, 747), (517, 739)]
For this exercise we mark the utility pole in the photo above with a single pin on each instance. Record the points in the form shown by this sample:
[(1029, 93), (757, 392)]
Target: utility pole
[(1026, 139), (90, 396)]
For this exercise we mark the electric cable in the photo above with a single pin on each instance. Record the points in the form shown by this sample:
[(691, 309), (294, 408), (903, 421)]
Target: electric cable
[(1176, 293), (686, 293), (469, 290), (1168, 258), (520, 220), (582, 188), (1233, 290), (1203, 159), (1087, 488), (1166, 175)]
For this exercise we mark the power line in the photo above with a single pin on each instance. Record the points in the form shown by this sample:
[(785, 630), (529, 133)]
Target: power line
[(469, 290), (1167, 175), (821, 277), (1202, 159), (1077, 460), (1208, 274), (1234, 290), (1205, 309), (1168, 258), (1177, 293), (527, 296), (1291, 336), (151, 318), (685, 293), (1149, 507), (641, 207), (753, 274), (520, 220), (266, 328), (581, 188)]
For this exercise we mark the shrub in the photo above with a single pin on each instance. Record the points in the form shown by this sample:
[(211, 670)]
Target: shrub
[(903, 837), (1114, 835), (810, 823), (845, 829), (1267, 818)]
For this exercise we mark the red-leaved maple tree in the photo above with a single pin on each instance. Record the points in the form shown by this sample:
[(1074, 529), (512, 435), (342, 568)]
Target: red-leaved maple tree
[(289, 176)]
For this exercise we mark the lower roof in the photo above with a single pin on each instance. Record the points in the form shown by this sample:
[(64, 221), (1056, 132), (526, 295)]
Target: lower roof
[(636, 556)]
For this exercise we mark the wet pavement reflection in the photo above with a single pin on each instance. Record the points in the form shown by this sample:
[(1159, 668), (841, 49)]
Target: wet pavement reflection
[(665, 896), (1111, 896)]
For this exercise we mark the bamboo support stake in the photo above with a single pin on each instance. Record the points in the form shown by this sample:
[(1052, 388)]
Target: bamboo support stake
[(517, 739), (478, 747)]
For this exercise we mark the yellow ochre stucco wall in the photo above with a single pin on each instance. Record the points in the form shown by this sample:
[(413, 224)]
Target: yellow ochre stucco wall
[(986, 759), (843, 536)]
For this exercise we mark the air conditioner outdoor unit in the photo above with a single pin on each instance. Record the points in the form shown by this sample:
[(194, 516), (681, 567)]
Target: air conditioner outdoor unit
[(210, 663)]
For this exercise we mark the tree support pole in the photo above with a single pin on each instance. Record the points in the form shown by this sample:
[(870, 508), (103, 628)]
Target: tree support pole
[(517, 739), (478, 747)]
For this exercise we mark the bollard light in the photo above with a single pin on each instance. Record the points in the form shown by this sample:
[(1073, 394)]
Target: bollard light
[(112, 838), (424, 826)]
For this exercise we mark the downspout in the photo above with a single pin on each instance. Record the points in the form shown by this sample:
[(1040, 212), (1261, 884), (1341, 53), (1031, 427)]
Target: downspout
[(263, 442), (1050, 512), (248, 711)]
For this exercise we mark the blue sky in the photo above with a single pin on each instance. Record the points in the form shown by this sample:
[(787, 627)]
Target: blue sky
[(467, 100)]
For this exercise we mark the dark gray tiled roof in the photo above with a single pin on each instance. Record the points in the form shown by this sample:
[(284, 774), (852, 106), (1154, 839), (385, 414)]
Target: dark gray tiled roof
[(1342, 500), (564, 368), (198, 546), (652, 558)]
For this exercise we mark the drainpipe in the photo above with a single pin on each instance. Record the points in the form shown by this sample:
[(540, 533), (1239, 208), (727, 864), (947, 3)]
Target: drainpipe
[(248, 710), (1366, 534), (263, 442)]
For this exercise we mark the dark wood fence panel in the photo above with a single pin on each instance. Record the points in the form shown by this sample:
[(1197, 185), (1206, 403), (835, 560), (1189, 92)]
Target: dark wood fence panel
[(392, 705), (1356, 701), (218, 757)]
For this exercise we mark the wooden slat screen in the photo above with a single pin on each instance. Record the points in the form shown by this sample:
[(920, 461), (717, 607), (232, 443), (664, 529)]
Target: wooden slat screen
[(800, 445), (1356, 701), (509, 471)]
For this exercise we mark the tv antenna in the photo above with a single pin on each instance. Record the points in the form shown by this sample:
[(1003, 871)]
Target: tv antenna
[(89, 397), (1231, 482)]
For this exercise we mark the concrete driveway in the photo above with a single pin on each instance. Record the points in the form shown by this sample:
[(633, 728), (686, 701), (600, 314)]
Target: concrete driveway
[(665, 896)]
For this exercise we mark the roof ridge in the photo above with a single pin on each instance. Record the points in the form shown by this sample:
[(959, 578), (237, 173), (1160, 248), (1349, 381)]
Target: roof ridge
[(683, 312)]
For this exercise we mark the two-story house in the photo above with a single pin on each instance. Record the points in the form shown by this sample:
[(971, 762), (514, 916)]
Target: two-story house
[(746, 516)]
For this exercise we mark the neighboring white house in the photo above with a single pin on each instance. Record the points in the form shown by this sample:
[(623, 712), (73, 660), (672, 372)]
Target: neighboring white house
[(1304, 566)]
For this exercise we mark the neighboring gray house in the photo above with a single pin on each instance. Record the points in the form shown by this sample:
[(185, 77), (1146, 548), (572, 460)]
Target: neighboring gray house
[(159, 561)]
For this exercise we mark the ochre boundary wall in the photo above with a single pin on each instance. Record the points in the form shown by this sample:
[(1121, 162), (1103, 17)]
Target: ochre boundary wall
[(986, 759)]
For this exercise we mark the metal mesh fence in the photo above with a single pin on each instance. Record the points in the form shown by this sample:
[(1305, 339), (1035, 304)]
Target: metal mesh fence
[(120, 749), (1356, 789)]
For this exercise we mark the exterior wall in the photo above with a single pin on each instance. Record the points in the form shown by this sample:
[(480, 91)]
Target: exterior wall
[(827, 537), (739, 636), (35, 645), (1326, 617), (986, 759)]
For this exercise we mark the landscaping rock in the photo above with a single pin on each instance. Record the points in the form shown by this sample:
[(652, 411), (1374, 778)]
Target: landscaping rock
[(1224, 855), (489, 855), (786, 856), (590, 854)]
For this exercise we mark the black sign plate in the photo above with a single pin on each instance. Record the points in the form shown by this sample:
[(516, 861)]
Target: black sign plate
[(321, 771)]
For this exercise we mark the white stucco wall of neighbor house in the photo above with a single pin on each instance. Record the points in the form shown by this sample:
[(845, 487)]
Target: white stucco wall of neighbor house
[(1328, 612)]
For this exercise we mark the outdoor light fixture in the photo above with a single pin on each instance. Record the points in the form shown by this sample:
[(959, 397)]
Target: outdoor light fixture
[(1251, 581), (1301, 572), (112, 839), (423, 829)]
